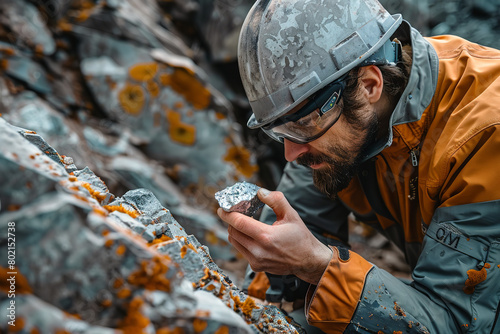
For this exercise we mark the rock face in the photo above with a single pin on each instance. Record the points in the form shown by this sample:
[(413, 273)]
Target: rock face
[(144, 98), (87, 261), (111, 84)]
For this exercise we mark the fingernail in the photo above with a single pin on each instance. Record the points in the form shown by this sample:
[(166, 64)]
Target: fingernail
[(264, 192), (219, 211)]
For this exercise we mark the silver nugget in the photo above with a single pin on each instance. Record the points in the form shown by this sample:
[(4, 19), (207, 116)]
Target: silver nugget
[(240, 197)]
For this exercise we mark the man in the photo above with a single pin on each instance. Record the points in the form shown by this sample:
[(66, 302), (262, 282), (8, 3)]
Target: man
[(399, 129)]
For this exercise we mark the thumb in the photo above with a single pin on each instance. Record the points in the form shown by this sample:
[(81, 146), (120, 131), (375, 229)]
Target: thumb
[(276, 201)]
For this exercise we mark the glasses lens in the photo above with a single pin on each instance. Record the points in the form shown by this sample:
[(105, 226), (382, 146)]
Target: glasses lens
[(311, 121)]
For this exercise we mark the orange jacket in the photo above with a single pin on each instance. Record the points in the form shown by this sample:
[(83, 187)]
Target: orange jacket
[(434, 190)]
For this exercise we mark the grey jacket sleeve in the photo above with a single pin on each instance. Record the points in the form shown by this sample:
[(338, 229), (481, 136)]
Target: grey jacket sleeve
[(456, 282)]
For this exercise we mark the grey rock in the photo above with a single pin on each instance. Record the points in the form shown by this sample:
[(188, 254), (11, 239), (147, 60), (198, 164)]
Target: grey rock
[(26, 26)]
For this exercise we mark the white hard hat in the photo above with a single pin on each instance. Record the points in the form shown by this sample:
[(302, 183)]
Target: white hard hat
[(289, 49)]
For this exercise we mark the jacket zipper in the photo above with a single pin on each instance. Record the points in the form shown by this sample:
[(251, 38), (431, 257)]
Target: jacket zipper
[(414, 152)]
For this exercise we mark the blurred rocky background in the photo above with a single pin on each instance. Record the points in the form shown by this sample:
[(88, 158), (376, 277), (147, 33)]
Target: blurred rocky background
[(120, 119)]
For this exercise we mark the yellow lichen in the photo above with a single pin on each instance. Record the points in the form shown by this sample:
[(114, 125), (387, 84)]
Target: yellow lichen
[(153, 88), (132, 99), (143, 72), (180, 132), (239, 156), (184, 82)]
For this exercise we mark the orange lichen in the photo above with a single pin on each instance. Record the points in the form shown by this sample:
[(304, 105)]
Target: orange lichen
[(110, 82), (176, 330), (143, 72), (222, 330), (18, 327), (397, 332), (132, 99), (239, 156), (119, 208), (22, 285), (199, 325), (399, 310), (180, 132), (487, 265), (104, 233), (184, 82), (4, 63), (124, 293), (178, 105), (7, 51), (108, 243), (13, 207), (160, 240), (94, 193), (151, 275), (120, 250), (247, 306), (62, 331), (153, 88), (135, 322), (106, 303), (34, 330), (184, 249), (118, 283), (475, 277), (220, 116)]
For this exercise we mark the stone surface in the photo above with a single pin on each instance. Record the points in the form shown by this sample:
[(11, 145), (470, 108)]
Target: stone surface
[(108, 262)]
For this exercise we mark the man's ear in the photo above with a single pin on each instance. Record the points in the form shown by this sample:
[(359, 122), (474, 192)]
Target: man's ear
[(372, 83)]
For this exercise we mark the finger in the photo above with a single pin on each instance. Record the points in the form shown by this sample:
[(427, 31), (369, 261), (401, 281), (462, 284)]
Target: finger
[(241, 243), (246, 225), (276, 200)]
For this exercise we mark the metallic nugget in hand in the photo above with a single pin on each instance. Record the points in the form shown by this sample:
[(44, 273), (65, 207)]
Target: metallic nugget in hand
[(240, 197)]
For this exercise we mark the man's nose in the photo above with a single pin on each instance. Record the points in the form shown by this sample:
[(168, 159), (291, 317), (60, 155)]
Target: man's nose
[(294, 150)]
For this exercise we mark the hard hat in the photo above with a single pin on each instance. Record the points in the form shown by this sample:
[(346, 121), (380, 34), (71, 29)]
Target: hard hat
[(289, 49)]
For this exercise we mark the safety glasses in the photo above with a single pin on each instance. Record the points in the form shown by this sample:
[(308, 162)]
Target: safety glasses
[(313, 119)]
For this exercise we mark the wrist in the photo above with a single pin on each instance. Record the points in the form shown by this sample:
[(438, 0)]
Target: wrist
[(314, 270)]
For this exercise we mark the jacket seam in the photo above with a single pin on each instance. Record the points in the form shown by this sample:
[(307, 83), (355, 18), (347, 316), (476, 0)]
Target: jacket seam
[(456, 148)]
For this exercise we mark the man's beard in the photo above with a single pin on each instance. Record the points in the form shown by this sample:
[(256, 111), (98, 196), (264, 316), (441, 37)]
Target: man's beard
[(338, 172)]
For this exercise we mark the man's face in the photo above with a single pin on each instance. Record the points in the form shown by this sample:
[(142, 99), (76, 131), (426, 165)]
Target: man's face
[(336, 156)]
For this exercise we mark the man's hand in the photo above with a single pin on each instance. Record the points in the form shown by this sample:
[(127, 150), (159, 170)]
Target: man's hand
[(286, 247)]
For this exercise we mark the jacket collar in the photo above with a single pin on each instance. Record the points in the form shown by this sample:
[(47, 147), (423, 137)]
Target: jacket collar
[(418, 92)]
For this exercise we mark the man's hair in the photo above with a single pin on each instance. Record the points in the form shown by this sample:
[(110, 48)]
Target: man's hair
[(395, 81)]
